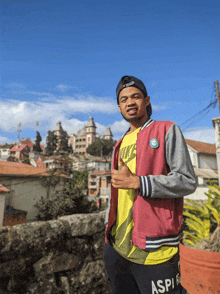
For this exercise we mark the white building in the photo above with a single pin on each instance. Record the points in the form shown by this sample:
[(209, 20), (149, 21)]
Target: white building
[(5, 151), (203, 157), (25, 185), (99, 164)]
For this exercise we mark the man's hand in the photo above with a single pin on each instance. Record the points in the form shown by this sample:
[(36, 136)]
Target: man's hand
[(124, 179)]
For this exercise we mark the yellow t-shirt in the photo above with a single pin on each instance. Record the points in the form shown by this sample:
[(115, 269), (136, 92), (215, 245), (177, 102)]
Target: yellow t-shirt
[(122, 230)]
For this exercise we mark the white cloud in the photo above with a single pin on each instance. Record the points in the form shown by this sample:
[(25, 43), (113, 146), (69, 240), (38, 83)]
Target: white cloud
[(64, 88), (48, 109), (72, 125), (4, 140), (48, 113), (201, 134), (158, 107), (15, 85), (120, 126), (100, 128)]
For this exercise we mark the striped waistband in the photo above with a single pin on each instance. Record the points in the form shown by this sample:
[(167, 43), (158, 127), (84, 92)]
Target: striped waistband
[(155, 243)]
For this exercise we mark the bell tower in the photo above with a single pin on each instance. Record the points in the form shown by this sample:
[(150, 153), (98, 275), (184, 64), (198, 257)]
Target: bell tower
[(90, 132)]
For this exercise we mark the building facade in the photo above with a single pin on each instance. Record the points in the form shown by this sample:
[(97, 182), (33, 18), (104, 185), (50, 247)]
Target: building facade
[(20, 151), (5, 151), (87, 136), (24, 183), (203, 157), (99, 186)]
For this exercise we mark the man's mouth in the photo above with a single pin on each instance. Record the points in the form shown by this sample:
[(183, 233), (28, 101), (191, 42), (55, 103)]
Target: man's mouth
[(132, 111)]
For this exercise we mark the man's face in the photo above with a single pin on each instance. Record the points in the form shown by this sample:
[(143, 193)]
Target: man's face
[(133, 104)]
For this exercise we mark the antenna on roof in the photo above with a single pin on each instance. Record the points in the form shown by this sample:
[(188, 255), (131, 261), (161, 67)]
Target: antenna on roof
[(19, 131)]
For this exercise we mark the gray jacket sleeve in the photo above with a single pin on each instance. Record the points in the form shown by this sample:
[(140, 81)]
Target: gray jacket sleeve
[(180, 180)]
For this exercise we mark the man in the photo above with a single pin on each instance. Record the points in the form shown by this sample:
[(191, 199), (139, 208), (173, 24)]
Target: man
[(151, 172)]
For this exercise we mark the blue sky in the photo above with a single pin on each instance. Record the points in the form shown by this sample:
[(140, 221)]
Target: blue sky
[(62, 60)]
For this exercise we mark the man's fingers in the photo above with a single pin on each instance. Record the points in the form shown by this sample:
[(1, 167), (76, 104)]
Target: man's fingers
[(123, 165), (114, 172), (121, 162)]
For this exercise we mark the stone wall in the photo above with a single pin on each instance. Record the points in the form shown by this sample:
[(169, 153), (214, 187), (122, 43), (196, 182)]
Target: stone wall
[(57, 256)]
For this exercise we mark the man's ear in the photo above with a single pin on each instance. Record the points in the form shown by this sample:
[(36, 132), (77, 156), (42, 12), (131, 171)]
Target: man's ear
[(147, 100), (119, 107)]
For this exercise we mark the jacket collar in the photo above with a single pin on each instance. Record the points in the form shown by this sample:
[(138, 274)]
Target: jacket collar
[(145, 125)]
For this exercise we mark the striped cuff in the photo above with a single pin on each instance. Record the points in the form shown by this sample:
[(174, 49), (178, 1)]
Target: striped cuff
[(155, 243), (145, 186)]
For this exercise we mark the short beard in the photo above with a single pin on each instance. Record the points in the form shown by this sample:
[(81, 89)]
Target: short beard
[(133, 119)]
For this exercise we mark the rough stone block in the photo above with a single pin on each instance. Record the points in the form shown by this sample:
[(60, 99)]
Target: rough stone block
[(92, 275), (65, 285), (84, 224), (55, 262), (12, 268), (46, 285)]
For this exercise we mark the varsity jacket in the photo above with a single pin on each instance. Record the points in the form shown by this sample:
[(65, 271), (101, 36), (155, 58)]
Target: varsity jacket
[(166, 175)]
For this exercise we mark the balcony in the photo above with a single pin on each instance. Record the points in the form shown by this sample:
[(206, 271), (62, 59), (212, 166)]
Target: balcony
[(105, 192), (92, 186)]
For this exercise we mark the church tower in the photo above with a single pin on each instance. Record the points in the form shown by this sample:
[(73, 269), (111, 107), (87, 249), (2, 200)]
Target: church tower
[(108, 134), (57, 131), (90, 132)]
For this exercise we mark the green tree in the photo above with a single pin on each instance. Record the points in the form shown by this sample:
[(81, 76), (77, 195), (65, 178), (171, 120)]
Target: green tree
[(51, 142), (50, 181), (72, 199), (37, 147), (101, 148), (63, 141), (26, 160)]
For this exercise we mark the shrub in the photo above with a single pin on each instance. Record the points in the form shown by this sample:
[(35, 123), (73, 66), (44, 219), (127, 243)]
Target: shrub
[(71, 200), (202, 218)]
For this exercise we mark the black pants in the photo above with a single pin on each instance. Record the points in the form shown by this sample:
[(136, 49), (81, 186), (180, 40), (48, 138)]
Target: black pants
[(127, 277)]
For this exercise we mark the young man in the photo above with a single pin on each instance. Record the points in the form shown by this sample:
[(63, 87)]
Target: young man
[(151, 172)]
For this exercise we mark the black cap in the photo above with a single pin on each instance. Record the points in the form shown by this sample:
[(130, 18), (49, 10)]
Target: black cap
[(130, 81)]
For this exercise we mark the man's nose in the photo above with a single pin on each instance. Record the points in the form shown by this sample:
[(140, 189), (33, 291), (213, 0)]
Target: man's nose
[(130, 101)]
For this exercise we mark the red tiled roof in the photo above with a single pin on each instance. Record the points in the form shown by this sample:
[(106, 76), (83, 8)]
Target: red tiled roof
[(202, 147), (3, 189), (21, 169), (17, 168), (206, 173), (18, 147), (27, 142), (6, 146), (101, 172)]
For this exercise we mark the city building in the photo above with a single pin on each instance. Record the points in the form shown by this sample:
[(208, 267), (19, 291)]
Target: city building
[(99, 186), (203, 157), (24, 185), (5, 151), (86, 136), (20, 151)]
